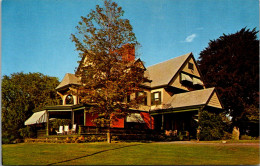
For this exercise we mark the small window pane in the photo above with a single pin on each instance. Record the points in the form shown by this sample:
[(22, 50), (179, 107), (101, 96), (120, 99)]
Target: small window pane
[(156, 95), (156, 98), (190, 66)]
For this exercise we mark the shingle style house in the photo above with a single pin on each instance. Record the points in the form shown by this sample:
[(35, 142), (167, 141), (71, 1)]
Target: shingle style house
[(175, 95)]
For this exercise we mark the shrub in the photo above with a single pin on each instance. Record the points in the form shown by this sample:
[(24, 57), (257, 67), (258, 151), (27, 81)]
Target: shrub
[(74, 139), (93, 138), (55, 123), (115, 138), (67, 140), (6, 141), (246, 137), (212, 126), (81, 138), (227, 135), (28, 132)]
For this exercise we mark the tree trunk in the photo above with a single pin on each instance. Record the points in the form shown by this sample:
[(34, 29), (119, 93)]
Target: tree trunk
[(108, 136)]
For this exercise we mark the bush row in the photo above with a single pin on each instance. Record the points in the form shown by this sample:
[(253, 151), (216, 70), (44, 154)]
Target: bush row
[(100, 138), (128, 137), (75, 139)]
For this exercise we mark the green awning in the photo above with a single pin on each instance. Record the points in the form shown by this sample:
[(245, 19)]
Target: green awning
[(36, 118), (197, 81), (185, 77), (135, 117)]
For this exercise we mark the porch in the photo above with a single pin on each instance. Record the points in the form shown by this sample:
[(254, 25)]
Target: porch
[(181, 123), (78, 116)]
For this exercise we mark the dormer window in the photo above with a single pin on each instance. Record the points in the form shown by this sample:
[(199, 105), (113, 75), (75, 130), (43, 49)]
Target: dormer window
[(156, 98), (190, 66)]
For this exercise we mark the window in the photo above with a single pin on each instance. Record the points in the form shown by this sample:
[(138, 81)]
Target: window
[(156, 98), (69, 100), (190, 66), (128, 98), (143, 97)]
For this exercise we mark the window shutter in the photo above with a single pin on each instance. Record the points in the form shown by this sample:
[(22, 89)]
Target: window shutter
[(145, 98), (152, 98), (160, 98)]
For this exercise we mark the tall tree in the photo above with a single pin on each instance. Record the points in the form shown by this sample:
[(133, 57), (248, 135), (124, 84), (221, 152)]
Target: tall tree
[(107, 43), (23, 94), (231, 64)]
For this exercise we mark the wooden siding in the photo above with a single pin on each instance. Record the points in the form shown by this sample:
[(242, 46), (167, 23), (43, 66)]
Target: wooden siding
[(148, 93), (165, 96), (214, 101), (176, 82), (192, 72)]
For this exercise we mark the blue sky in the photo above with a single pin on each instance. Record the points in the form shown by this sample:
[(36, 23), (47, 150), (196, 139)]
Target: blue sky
[(36, 33)]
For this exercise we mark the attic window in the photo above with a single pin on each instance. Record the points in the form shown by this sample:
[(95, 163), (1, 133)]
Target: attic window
[(190, 66)]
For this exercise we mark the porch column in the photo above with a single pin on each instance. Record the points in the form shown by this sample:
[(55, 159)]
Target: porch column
[(72, 117), (162, 127), (85, 116), (47, 123)]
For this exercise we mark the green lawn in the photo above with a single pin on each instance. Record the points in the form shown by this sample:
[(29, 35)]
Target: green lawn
[(129, 154)]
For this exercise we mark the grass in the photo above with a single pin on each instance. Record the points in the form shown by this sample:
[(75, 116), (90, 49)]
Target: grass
[(129, 154), (233, 141)]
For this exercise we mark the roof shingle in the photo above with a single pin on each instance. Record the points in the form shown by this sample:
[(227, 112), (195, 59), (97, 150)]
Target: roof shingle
[(69, 79), (193, 98), (162, 73)]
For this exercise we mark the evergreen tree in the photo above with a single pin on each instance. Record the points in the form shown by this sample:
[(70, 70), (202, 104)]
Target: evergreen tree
[(231, 64)]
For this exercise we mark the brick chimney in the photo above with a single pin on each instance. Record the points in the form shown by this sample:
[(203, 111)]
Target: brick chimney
[(128, 52)]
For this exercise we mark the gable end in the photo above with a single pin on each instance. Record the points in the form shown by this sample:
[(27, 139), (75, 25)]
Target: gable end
[(214, 101)]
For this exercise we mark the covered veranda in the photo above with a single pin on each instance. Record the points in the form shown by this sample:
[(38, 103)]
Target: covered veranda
[(181, 112), (75, 113), (177, 120)]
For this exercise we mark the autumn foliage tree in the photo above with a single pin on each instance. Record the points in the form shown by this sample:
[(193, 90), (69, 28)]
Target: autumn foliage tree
[(108, 70), (23, 94), (231, 64)]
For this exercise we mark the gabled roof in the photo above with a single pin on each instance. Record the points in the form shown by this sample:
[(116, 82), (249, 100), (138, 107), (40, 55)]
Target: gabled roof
[(69, 79), (162, 73), (193, 98), (140, 63)]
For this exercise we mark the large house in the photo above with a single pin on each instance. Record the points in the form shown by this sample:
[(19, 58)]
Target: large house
[(175, 95)]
